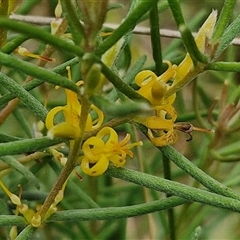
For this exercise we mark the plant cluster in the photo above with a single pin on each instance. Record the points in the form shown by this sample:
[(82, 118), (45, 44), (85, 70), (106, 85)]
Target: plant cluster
[(90, 133)]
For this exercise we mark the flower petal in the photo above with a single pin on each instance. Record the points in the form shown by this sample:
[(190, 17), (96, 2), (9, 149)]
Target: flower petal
[(64, 130), (50, 116), (92, 148), (97, 169)]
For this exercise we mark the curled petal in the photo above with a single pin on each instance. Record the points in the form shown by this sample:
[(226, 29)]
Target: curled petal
[(166, 112), (92, 148), (50, 116), (145, 81), (110, 132), (64, 130), (97, 169), (100, 117), (169, 73), (145, 78), (125, 140)]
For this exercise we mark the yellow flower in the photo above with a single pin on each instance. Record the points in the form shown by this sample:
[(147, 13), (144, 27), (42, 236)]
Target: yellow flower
[(186, 70), (161, 126), (72, 111), (104, 148), (161, 94), (154, 88)]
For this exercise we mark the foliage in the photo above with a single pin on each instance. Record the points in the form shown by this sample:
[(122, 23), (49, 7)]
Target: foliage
[(103, 138)]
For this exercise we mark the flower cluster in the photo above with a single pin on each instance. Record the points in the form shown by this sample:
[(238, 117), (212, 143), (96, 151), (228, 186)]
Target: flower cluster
[(154, 88), (104, 148), (97, 152), (72, 111), (161, 91)]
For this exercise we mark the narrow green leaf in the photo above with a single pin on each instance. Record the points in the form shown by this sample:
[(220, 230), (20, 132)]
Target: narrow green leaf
[(40, 34), (8, 138), (36, 82), (128, 24), (118, 82), (188, 167), (231, 32), (134, 70), (186, 34), (26, 233), (23, 122), (13, 163), (177, 12), (175, 189), (26, 6), (223, 20), (155, 39), (75, 26), (8, 220), (116, 212), (119, 109), (27, 145), (191, 45), (38, 72), (224, 66), (27, 99), (13, 44)]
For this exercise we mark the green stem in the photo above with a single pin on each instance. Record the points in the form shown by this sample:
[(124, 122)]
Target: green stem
[(186, 34), (37, 72), (27, 145), (28, 100), (36, 82), (111, 213), (22, 120), (118, 82), (75, 26), (229, 34), (26, 233), (188, 167), (7, 220), (175, 188), (155, 39), (170, 212), (14, 164), (224, 66), (223, 20), (129, 23), (13, 44), (177, 12), (40, 34)]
